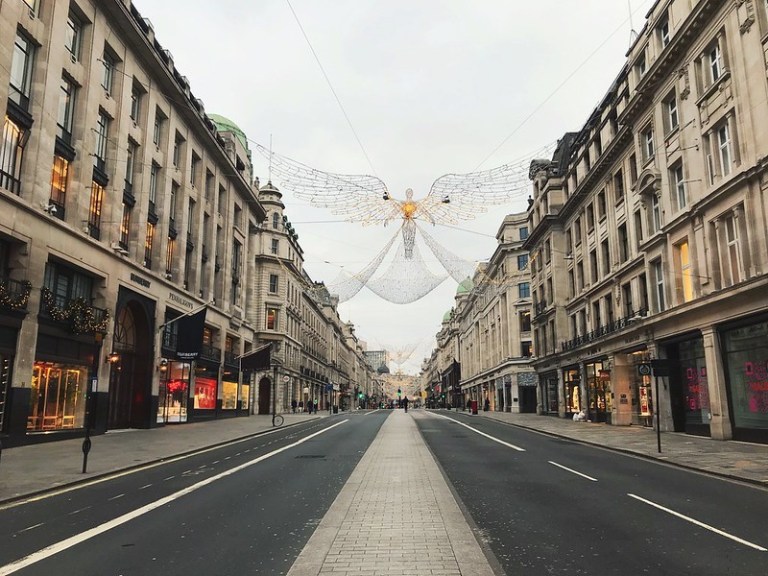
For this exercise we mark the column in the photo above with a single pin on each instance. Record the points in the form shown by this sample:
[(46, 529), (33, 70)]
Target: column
[(720, 426)]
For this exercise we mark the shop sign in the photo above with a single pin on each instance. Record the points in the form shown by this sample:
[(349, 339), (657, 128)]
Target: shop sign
[(140, 281)]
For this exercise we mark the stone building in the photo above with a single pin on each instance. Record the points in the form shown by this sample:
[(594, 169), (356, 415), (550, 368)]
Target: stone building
[(648, 234), (484, 344)]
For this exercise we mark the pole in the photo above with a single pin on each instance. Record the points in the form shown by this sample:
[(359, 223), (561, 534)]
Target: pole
[(658, 421), (193, 311)]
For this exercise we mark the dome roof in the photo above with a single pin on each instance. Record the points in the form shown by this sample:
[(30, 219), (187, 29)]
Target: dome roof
[(224, 124), (447, 316), (465, 286)]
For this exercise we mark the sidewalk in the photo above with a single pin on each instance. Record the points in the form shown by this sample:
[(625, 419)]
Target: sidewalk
[(732, 459), (27, 470)]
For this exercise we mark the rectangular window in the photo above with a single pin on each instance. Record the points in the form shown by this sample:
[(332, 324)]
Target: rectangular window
[(649, 149), (525, 321), (73, 37), (275, 246), (580, 275), (663, 30), (11, 155), (190, 219), (526, 349), (271, 318), (66, 110), (59, 180), (590, 217), (178, 144), (21, 71), (655, 214), (685, 267), (623, 243), (157, 129), (154, 176), (638, 228), (522, 261), (135, 104), (130, 166), (102, 136), (108, 75), (618, 186), (672, 119), (608, 307), (626, 297), (149, 240), (524, 290), (714, 58), (643, 285), (633, 169), (273, 283), (173, 203), (194, 169), (678, 183), (596, 315), (658, 284), (577, 231), (95, 208), (601, 206), (169, 255), (523, 232), (724, 149), (593, 266), (605, 255), (125, 226), (733, 246)]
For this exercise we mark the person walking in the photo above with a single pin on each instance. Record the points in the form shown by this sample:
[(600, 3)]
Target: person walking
[(293, 405), (315, 405), (405, 403)]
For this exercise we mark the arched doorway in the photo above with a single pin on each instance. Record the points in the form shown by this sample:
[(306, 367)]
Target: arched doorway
[(265, 395), (130, 377)]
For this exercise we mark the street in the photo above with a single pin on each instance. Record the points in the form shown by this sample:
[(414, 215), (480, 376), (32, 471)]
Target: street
[(537, 505)]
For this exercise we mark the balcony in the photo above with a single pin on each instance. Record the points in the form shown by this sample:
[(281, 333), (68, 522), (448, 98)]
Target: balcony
[(604, 330), (73, 313), (210, 353), (14, 295), (231, 359)]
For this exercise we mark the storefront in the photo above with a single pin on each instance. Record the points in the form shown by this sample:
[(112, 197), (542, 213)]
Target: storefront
[(688, 386), (205, 389), (745, 352), (641, 389), (173, 396), (572, 391), (548, 393), (599, 393)]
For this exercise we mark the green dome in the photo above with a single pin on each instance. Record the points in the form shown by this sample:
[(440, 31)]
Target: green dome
[(226, 125), (447, 316), (465, 286)]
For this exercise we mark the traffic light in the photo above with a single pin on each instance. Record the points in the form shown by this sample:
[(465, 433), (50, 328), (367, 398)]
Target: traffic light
[(399, 392), (360, 395)]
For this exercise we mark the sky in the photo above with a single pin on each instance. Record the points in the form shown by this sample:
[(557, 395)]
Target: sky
[(406, 90)]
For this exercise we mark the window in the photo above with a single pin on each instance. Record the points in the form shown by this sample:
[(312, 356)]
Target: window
[(273, 283), (663, 31), (638, 228), (275, 246), (608, 308), (149, 240), (618, 186), (580, 275), (593, 266), (11, 155), (130, 166), (59, 178), (522, 261), (590, 218), (732, 257), (271, 318), (601, 207), (157, 129), (658, 284), (21, 71), (73, 37), (102, 135), (154, 176), (135, 103), (526, 349), (595, 314), (125, 225), (605, 255), (671, 118), (648, 147), (626, 297), (724, 149), (194, 169), (210, 181), (523, 232), (632, 169), (524, 290), (169, 255), (685, 268), (190, 219), (655, 214), (623, 243), (714, 60), (577, 231), (95, 207), (66, 110), (108, 75), (173, 204), (178, 144), (525, 321), (678, 184), (643, 285)]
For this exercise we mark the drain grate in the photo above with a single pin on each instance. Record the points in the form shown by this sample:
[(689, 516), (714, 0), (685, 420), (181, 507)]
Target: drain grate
[(311, 456)]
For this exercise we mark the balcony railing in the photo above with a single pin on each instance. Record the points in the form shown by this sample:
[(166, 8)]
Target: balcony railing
[(74, 313), (231, 359), (211, 353), (14, 294), (604, 330)]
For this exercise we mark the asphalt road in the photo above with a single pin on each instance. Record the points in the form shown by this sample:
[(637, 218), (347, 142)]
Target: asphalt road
[(546, 506), (248, 507)]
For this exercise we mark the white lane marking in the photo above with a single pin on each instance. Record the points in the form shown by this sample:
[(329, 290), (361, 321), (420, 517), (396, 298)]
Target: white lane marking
[(115, 497), (78, 511), (169, 478), (215, 462), (698, 523), (572, 471), (145, 486), (507, 444), (115, 522), (30, 528), (140, 468)]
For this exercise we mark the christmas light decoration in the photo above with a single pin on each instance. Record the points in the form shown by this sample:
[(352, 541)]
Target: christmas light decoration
[(81, 316), (15, 301)]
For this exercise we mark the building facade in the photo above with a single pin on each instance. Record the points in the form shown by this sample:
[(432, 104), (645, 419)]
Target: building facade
[(648, 234), (484, 344)]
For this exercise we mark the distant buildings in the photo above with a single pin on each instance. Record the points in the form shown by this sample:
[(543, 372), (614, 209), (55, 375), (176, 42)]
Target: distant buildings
[(126, 208)]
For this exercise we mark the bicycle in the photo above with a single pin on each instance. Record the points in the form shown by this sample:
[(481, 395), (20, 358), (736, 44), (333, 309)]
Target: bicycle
[(277, 420)]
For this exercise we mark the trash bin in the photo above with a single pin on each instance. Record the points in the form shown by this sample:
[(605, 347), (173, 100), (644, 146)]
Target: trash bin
[(474, 406), (335, 409)]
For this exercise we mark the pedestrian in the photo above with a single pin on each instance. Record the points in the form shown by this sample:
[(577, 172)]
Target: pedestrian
[(487, 405), (469, 405), (405, 403), (309, 407), (301, 405), (315, 406), (293, 405)]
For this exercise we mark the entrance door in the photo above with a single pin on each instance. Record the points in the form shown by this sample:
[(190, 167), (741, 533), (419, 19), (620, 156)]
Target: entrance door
[(265, 387), (527, 399)]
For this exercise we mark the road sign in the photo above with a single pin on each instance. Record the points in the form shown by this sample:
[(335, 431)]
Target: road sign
[(644, 369)]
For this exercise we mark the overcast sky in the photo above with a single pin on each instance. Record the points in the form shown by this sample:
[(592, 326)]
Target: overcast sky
[(429, 86)]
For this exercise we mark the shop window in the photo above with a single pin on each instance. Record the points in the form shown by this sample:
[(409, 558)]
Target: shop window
[(572, 391), (745, 350), (11, 155), (57, 400), (205, 393), (272, 318)]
